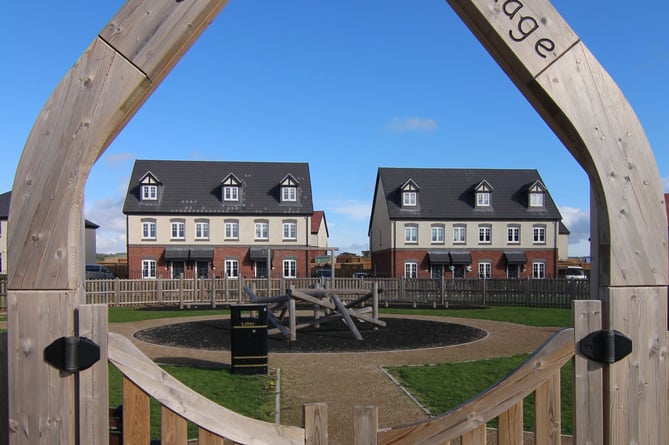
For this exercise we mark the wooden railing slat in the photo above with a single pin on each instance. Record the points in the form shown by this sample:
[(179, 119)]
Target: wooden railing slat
[(510, 426), (315, 417), (173, 428), (547, 415), (136, 415), (205, 437), (476, 436)]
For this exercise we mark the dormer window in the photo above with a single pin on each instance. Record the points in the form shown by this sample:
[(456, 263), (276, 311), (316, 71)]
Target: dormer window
[(483, 193), (230, 188), (536, 195), (409, 192), (289, 187), (149, 192), (149, 187), (231, 193), (288, 194)]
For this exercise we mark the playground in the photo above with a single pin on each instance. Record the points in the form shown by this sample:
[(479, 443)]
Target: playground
[(346, 379)]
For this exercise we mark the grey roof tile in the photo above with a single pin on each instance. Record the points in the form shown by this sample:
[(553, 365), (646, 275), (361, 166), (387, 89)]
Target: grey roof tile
[(448, 194), (194, 187)]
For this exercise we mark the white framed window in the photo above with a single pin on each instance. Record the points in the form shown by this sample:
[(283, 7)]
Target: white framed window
[(411, 234), (232, 268), (290, 230), (202, 230), (231, 230), (290, 268), (539, 235), (539, 270), (149, 192), (262, 230), (485, 234), (409, 199), (148, 269), (536, 199), (178, 230), (288, 194), (438, 234), (485, 269), (148, 230), (513, 235), (482, 199), (459, 234), (410, 269), (230, 193)]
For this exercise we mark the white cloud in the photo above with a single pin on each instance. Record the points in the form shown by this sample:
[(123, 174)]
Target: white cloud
[(115, 159), (108, 214), (578, 223), (411, 124)]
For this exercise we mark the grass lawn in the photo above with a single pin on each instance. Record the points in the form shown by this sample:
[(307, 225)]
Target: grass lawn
[(529, 316), (128, 314), (445, 386), (250, 395)]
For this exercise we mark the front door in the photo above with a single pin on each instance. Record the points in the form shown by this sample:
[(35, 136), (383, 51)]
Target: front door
[(261, 269), (202, 269)]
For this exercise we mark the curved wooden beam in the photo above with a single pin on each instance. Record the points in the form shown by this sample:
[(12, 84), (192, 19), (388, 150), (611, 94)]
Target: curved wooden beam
[(588, 112), (90, 106)]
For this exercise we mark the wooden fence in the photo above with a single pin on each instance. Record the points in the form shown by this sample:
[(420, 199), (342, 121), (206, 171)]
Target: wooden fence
[(557, 293)]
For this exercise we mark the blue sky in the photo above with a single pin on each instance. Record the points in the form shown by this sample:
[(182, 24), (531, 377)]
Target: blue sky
[(346, 86)]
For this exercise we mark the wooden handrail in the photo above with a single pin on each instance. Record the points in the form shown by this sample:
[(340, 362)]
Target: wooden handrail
[(190, 405), (541, 368)]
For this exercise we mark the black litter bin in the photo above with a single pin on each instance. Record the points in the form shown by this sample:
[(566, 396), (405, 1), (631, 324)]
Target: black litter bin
[(248, 325)]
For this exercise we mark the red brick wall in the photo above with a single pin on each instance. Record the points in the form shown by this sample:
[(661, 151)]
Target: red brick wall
[(138, 253), (383, 262)]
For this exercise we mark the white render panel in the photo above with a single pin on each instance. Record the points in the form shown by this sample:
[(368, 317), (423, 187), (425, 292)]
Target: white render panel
[(3, 246), (499, 235), (217, 229), (381, 228)]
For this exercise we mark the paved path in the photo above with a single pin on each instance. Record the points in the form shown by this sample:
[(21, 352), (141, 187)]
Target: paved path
[(344, 380)]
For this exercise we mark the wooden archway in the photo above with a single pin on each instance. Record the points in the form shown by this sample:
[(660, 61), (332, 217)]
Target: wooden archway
[(145, 40)]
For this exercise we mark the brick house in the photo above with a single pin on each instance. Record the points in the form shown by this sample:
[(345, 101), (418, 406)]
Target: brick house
[(464, 223), (205, 218)]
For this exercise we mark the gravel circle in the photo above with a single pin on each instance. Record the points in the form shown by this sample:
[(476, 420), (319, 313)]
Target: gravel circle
[(398, 334)]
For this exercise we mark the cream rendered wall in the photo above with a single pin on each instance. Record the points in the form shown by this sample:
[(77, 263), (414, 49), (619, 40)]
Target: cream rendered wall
[(380, 229), (3, 246), (563, 247), (90, 245), (499, 235), (217, 229), (319, 239)]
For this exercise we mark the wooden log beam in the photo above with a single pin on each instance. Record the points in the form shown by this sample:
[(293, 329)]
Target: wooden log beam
[(347, 317), (329, 305)]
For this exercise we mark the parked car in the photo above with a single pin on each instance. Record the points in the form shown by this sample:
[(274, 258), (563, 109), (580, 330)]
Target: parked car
[(98, 272), (360, 275), (575, 273)]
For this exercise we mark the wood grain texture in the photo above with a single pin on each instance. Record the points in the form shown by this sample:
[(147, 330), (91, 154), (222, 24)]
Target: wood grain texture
[(136, 414), (547, 415), (510, 426), (365, 425), (600, 129), (173, 428), (190, 405), (636, 387), (4, 388), (94, 381), (38, 415), (491, 403), (588, 377), (522, 54), (315, 418)]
